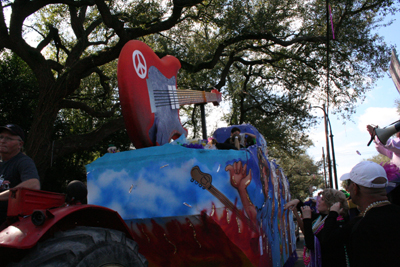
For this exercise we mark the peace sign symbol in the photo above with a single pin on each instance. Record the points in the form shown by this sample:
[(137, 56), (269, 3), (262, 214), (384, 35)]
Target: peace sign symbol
[(139, 63)]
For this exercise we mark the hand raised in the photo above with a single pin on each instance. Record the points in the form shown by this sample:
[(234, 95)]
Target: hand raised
[(336, 207), (306, 211), (371, 130), (291, 204), (238, 175)]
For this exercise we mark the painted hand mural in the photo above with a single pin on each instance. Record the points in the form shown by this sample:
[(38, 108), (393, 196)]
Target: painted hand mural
[(240, 180)]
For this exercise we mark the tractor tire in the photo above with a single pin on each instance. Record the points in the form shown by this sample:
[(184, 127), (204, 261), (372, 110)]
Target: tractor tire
[(85, 247)]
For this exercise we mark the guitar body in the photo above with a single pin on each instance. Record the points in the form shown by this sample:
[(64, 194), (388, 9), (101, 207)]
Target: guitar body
[(147, 91)]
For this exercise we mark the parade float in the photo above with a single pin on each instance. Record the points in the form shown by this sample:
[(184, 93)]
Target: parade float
[(187, 204)]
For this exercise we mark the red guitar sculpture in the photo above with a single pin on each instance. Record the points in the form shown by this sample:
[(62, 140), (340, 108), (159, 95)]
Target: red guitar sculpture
[(149, 99)]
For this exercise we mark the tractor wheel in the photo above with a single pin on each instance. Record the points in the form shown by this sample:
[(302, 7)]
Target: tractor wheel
[(85, 247)]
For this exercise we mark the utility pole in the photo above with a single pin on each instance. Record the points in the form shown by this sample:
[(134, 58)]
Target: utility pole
[(323, 159), (328, 157)]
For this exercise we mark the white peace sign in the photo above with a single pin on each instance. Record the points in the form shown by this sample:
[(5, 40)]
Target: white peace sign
[(139, 63)]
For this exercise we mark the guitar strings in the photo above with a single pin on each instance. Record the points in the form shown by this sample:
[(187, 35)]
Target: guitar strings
[(182, 97)]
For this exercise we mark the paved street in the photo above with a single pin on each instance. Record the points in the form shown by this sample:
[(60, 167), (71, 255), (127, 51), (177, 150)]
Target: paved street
[(299, 250)]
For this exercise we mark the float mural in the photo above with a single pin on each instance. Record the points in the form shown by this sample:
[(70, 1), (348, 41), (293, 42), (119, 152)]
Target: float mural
[(190, 204)]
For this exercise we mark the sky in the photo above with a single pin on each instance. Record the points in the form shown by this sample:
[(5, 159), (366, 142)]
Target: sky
[(378, 108)]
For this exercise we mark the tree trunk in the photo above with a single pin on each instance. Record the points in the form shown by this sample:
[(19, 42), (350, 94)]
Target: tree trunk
[(40, 137)]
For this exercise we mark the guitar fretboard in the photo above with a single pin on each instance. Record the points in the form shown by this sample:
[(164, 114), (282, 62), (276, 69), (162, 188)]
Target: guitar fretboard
[(204, 180), (224, 200), (176, 97)]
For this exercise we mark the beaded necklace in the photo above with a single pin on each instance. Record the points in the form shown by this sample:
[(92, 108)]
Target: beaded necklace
[(318, 223), (347, 257), (374, 204)]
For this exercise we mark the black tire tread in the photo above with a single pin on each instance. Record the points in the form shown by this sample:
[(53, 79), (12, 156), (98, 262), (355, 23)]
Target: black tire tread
[(84, 246)]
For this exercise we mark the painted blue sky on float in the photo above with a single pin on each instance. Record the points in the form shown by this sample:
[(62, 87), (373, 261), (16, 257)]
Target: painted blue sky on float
[(156, 181)]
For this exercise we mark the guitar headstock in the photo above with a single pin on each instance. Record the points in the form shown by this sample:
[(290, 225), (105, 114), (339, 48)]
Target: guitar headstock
[(218, 96), (204, 180)]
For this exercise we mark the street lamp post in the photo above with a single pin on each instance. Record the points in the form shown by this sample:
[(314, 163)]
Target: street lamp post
[(327, 122)]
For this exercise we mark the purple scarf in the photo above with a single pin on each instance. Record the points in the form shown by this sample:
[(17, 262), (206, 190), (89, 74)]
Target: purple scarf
[(312, 257)]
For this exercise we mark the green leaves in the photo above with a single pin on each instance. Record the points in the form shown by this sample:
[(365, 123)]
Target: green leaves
[(18, 90)]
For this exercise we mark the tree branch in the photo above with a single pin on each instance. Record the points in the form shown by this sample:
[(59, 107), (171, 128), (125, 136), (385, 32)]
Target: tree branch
[(84, 107), (78, 143), (225, 73)]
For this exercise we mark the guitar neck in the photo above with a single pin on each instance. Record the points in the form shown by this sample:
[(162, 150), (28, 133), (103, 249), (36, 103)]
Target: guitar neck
[(224, 200), (205, 181), (187, 97)]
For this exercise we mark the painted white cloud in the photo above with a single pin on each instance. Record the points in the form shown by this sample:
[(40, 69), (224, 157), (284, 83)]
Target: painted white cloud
[(152, 193), (109, 176), (94, 191)]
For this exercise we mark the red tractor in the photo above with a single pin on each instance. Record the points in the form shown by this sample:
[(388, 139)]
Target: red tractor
[(48, 231)]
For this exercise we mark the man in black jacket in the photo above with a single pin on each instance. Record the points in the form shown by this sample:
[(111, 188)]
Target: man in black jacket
[(374, 236)]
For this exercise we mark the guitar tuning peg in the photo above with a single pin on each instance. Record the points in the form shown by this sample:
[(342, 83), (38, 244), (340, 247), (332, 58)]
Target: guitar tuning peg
[(192, 180), (196, 182), (200, 185)]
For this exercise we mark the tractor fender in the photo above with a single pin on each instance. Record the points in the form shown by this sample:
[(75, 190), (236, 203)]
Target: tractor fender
[(24, 234)]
